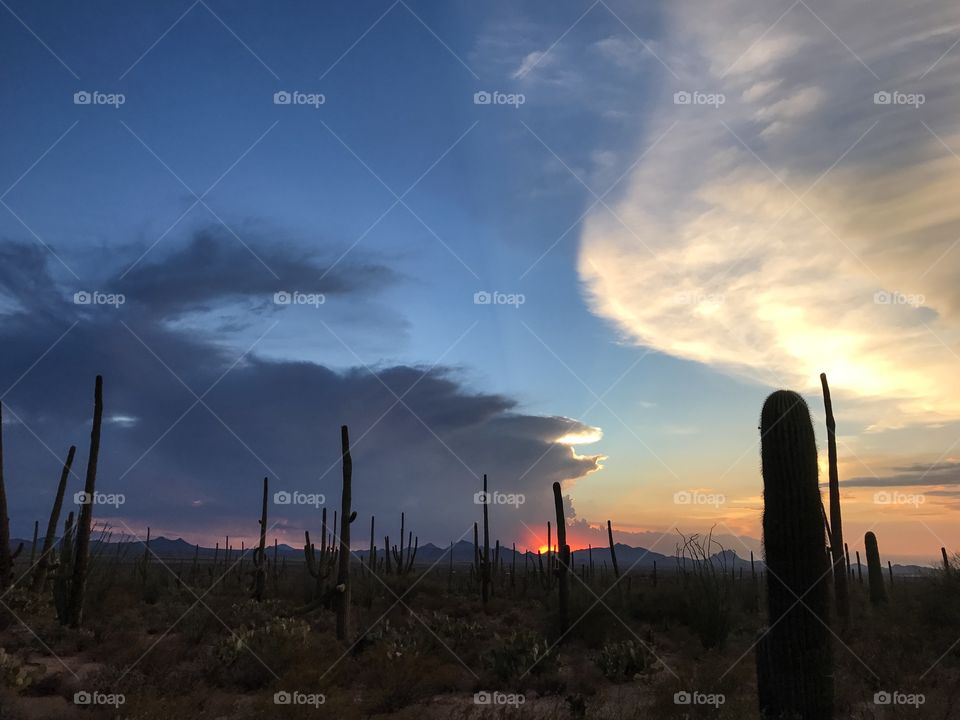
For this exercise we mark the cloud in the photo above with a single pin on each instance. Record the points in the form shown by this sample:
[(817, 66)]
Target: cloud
[(196, 419), (530, 61), (914, 475), (799, 226)]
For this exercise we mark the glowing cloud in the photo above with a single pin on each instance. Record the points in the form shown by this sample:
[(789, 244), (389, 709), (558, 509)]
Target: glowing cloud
[(807, 223)]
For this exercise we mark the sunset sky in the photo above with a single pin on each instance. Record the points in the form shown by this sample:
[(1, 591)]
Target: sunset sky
[(678, 208)]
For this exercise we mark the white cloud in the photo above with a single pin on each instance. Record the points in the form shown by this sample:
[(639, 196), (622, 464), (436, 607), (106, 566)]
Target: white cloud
[(728, 247), (530, 61)]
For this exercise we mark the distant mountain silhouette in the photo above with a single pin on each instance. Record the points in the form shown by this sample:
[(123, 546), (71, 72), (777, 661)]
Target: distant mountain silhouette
[(628, 557)]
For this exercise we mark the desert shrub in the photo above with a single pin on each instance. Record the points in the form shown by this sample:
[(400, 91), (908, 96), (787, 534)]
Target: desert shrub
[(706, 580), (249, 657), (620, 661), (518, 653), (13, 672)]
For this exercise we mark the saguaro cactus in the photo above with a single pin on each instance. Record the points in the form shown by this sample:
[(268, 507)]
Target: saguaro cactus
[(878, 593), (836, 522), (563, 559), (347, 517), (485, 565), (6, 556), (43, 565), (613, 552), (794, 663), (82, 553), (260, 555)]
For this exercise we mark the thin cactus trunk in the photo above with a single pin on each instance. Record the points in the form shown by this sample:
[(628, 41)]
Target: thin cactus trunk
[(485, 567), (40, 574), (563, 558), (859, 568), (794, 662), (6, 555), (878, 593), (890, 568), (841, 594), (946, 561), (84, 522), (260, 555), (347, 516), (613, 551), (372, 557)]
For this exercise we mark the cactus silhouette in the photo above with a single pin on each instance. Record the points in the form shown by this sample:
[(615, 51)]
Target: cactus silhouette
[(836, 522), (85, 519), (794, 662), (878, 593), (563, 558)]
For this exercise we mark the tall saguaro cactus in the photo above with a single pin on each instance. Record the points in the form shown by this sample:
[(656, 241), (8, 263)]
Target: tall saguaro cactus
[(613, 552), (836, 523), (878, 593), (85, 520), (563, 559), (485, 565), (794, 662), (6, 556), (347, 517), (260, 554)]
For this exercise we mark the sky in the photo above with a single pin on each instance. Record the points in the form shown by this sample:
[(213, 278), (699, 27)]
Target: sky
[(576, 244)]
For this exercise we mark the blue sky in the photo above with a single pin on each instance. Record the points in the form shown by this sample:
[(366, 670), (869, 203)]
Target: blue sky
[(491, 198)]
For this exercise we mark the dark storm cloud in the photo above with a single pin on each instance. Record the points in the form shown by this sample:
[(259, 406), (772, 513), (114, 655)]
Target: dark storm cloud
[(917, 474), (213, 268), (194, 423)]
